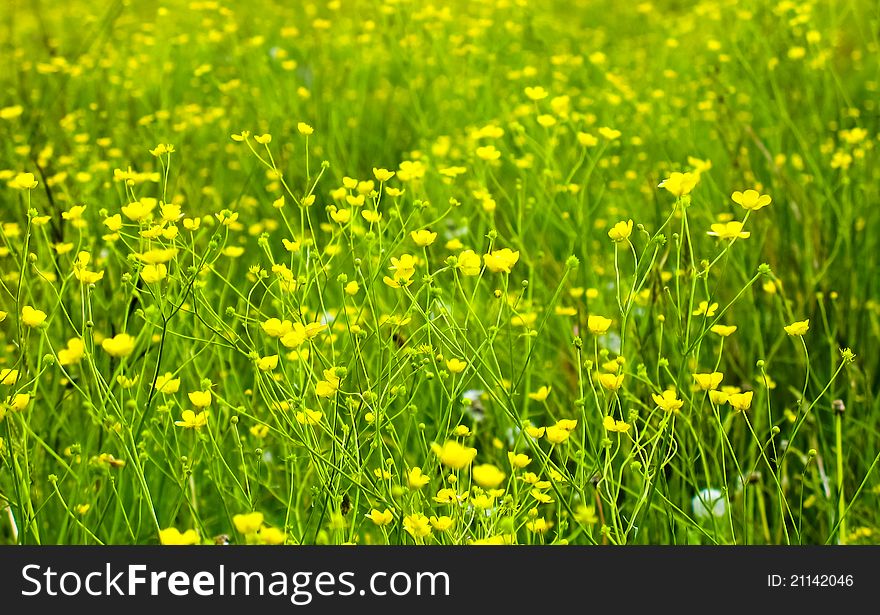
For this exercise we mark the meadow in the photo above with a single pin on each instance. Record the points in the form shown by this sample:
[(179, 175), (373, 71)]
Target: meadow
[(439, 272)]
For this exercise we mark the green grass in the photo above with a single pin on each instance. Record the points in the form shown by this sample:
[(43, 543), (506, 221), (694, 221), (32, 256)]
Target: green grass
[(780, 97)]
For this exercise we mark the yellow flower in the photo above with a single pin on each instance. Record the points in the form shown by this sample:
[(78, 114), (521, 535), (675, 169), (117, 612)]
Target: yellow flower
[(271, 536), (167, 384), (586, 515), (488, 476), (609, 133), (705, 308), (276, 328), (446, 496), (708, 382), (456, 366), (541, 394), (442, 523), (453, 454), (259, 430), (729, 230), (191, 420), (423, 238), (598, 325), (381, 518), (612, 382), (535, 432), (84, 275), (170, 212), (723, 330), (19, 402), (373, 217), (751, 199), (308, 417), (138, 210), (113, 223), (8, 376), (154, 273), (267, 364), (417, 525), (10, 113), (518, 460), (462, 431), (699, 166), (483, 501), (798, 328), (73, 353), (31, 317), (263, 139), (539, 525), (610, 424), (740, 401), (23, 181), (415, 479), (340, 216), (668, 401), (173, 536), (159, 255), (536, 93), (469, 263), (559, 433), (568, 424), (304, 129), (488, 152), (501, 260), (382, 175), (621, 231), (248, 523), (680, 184), (718, 397), (200, 399), (328, 386)]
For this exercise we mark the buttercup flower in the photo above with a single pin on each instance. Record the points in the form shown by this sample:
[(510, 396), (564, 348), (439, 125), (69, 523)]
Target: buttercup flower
[(191, 420), (708, 382), (248, 523), (729, 230), (723, 330), (751, 199), (454, 454), (621, 231), (173, 536), (32, 317), (668, 400), (167, 384), (740, 401), (381, 517), (680, 184), (469, 263), (200, 399), (598, 325), (415, 479), (488, 476), (417, 525), (610, 424), (798, 328), (541, 394), (456, 366), (423, 238), (501, 260)]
